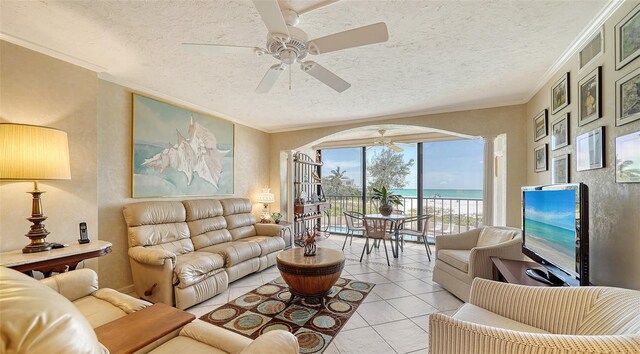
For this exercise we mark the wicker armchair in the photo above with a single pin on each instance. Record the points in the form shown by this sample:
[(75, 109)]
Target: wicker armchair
[(504, 318)]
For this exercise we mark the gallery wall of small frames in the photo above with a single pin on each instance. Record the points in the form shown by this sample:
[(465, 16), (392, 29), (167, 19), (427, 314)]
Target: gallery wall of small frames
[(590, 145)]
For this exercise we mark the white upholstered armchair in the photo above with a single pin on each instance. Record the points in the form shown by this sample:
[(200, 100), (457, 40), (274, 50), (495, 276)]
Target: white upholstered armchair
[(462, 257), (503, 318)]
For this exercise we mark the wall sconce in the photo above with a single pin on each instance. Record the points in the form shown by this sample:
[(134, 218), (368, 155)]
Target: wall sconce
[(32, 153), (266, 198)]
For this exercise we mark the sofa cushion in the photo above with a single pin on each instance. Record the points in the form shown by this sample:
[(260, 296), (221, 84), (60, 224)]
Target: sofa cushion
[(36, 319), (240, 220), (458, 259), (478, 315), (493, 235), (193, 267), (234, 252), (268, 244), (206, 223)]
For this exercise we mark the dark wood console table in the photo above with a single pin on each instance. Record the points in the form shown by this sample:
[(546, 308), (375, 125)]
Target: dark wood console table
[(56, 260), (135, 331), (514, 272)]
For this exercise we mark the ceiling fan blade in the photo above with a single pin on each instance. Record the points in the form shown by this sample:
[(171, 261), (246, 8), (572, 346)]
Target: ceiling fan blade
[(270, 78), (394, 147), (317, 6), (272, 16), (220, 48), (356, 37), (325, 76)]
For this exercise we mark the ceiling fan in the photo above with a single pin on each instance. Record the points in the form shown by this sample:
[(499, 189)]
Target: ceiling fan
[(289, 44), (382, 141)]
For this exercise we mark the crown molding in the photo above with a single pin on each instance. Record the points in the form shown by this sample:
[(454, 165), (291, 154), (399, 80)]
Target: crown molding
[(52, 53), (576, 45)]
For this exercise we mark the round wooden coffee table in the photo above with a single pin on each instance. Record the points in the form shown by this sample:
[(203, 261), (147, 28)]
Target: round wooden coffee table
[(310, 277)]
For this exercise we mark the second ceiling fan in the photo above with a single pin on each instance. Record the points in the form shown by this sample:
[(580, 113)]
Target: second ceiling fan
[(289, 44)]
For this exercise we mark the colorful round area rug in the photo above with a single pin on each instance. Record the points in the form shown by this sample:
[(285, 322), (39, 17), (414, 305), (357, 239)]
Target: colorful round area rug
[(269, 307)]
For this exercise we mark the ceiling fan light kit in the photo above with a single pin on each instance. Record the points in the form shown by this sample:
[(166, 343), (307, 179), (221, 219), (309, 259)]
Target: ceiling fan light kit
[(290, 45)]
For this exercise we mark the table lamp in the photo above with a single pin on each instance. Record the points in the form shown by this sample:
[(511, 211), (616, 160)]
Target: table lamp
[(266, 198), (32, 153)]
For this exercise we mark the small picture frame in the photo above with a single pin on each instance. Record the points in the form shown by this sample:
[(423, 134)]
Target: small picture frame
[(628, 98), (590, 97), (560, 169), (560, 132), (628, 158), (593, 49), (540, 125), (540, 158), (627, 40), (590, 150), (560, 94)]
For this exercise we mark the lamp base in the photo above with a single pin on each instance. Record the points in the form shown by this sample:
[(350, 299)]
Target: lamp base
[(38, 247), (37, 233)]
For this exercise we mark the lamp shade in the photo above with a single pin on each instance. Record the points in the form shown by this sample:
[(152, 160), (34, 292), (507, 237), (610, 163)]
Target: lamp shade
[(266, 197), (29, 152)]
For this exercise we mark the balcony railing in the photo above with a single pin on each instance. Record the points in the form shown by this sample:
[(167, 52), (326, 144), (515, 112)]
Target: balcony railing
[(448, 215)]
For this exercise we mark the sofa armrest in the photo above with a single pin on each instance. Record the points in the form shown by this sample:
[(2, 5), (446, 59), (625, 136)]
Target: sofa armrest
[(151, 256), (480, 264), (126, 303), (462, 241), (274, 342), (215, 336), (449, 335), (75, 284), (268, 229)]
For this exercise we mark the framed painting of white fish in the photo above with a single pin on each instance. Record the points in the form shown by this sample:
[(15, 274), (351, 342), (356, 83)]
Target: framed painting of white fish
[(178, 152)]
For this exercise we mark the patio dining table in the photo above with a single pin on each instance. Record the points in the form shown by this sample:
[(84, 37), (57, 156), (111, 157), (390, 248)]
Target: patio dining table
[(395, 219)]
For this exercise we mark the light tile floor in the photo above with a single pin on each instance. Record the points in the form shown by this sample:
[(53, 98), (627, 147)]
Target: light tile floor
[(394, 318)]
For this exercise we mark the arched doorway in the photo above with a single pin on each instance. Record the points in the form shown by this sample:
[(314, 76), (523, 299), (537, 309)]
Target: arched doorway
[(455, 202)]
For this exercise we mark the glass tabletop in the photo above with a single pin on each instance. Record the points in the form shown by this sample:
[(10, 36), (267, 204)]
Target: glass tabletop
[(388, 217)]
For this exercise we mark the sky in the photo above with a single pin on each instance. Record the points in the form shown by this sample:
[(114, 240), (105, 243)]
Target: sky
[(554, 207), (455, 164)]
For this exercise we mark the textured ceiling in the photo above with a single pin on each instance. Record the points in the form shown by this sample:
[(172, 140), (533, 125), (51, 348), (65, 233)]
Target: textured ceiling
[(441, 55)]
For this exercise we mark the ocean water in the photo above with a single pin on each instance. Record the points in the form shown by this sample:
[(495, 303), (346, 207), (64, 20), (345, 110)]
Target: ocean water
[(442, 193), (550, 241)]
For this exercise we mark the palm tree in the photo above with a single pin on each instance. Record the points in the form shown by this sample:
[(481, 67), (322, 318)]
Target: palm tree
[(337, 174)]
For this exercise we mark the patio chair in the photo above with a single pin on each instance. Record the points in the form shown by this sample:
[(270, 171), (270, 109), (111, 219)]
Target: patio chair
[(420, 232), (354, 224), (376, 229)]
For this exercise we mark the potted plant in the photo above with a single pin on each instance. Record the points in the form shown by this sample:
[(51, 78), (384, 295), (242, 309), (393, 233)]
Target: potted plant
[(386, 199), (276, 217)]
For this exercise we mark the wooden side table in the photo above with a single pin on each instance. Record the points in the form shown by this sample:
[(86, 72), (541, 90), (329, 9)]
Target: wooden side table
[(514, 272), (56, 260), (137, 330), (310, 277)]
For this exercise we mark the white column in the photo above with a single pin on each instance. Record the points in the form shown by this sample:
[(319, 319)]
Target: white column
[(487, 195)]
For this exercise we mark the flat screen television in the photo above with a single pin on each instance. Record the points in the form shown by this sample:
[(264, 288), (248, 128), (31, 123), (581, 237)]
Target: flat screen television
[(555, 232)]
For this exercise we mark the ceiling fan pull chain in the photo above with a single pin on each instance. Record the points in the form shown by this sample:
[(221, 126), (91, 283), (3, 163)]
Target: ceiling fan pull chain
[(290, 79)]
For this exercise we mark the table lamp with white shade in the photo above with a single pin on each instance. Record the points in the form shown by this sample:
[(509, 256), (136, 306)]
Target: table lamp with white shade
[(266, 198), (33, 153)]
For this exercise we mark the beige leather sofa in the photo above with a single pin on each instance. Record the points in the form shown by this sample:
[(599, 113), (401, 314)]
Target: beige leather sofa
[(183, 253), (36, 319), (98, 306), (504, 318), (462, 257)]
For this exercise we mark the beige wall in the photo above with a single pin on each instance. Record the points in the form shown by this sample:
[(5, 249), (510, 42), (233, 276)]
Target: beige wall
[(114, 174), (40, 90), (614, 208), (482, 122)]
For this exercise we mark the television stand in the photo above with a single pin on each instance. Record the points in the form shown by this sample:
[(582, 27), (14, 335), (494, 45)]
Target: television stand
[(514, 272), (544, 276)]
